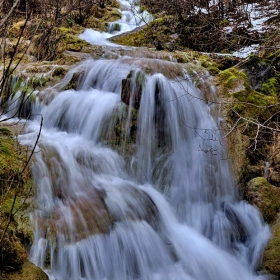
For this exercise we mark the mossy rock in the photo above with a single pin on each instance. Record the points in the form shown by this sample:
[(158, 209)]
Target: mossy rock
[(265, 196), (70, 41), (258, 71), (51, 44), (246, 101), (231, 78), (271, 257), (29, 271), (111, 16), (93, 22), (156, 34), (14, 182), (13, 254), (271, 87)]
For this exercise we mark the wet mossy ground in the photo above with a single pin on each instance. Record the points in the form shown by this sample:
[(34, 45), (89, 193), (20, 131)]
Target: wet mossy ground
[(15, 190)]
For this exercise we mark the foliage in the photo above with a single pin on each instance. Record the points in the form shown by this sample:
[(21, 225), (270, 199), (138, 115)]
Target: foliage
[(211, 26)]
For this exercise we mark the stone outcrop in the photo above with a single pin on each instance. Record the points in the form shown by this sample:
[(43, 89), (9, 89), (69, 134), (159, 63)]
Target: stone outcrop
[(265, 196), (131, 93)]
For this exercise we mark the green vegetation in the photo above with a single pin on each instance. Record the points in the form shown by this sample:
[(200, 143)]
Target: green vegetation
[(271, 87), (250, 103), (111, 16), (15, 187), (28, 272), (266, 197), (155, 34), (271, 258)]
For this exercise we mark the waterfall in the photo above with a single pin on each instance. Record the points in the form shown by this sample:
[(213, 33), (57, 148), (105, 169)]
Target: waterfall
[(136, 191), (141, 194), (131, 17)]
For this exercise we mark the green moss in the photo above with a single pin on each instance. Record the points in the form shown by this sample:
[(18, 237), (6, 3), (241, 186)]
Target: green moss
[(239, 108), (59, 71), (155, 32), (253, 104), (229, 77), (4, 131), (265, 196), (213, 70), (7, 205), (117, 27), (73, 83), (141, 78), (39, 81), (190, 70), (29, 271), (70, 42), (4, 149), (253, 97), (116, 136), (181, 57), (205, 62), (13, 181), (271, 87), (111, 16), (224, 22), (271, 258)]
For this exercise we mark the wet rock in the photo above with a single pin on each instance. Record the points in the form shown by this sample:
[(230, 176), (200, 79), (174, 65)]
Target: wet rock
[(131, 91), (224, 62), (257, 72), (89, 216), (265, 196), (271, 258), (75, 80)]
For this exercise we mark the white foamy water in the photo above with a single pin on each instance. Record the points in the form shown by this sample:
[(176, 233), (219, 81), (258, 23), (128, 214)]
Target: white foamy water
[(126, 198), (132, 17), (135, 195)]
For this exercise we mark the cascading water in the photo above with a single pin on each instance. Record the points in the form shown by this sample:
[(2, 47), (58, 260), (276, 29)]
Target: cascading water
[(122, 196), (126, 194), (132, 17)]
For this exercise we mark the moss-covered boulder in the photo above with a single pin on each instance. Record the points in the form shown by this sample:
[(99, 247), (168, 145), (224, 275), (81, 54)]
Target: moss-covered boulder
[(248, 116), (271, 258), (265, 196), (13, 254), (28, 271), (156, 34)]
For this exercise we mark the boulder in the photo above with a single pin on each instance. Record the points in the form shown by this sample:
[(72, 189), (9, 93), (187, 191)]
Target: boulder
[(271, 258), (13, 254), (29, 271), (131, 90), (265, 196)]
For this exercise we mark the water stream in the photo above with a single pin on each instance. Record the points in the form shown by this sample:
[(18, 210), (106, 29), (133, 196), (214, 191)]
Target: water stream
[(126, 194)]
